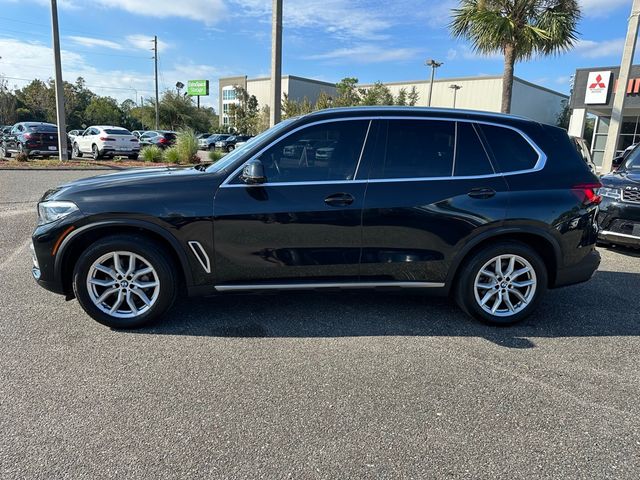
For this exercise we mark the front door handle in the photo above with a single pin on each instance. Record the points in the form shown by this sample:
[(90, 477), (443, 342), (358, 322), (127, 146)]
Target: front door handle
[(482, 193), (339, 200)]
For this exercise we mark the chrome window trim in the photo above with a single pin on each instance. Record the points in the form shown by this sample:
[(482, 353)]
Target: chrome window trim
[(540, 163), (202, 256), (307, 286)]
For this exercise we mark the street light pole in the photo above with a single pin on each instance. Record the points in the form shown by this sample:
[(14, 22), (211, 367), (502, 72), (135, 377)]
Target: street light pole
[(455, 89), (620, 95), (433, 64), (155, 58), (60, 115), (276, 63)]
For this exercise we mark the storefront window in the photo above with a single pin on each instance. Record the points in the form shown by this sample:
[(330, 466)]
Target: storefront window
[(603, 125), (629, 125)]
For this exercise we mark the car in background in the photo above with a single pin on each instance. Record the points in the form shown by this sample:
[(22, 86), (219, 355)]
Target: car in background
[(619, 215), (160, 138), (209, 143), (5, 129), (493, 210), (229, 144), (102, 141), (73, 134), (618, 160), (33, 139), (138, 133), (582, 148)]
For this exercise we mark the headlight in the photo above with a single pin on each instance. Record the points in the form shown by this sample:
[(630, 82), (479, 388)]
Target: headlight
[(54, 210), (610, 193)]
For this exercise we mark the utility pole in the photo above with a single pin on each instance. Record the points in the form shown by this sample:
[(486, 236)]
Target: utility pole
[(433, 64), (620, 94), (60, 115), (276, 63), (155, 61), (455, 89)]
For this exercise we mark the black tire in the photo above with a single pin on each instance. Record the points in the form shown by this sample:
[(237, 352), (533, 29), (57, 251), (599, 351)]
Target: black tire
[(465, 292), (212, 147), (231, 148), (133, 157), (95, 153), (76, 151), (23, 151), (153, 254), (4, 152)]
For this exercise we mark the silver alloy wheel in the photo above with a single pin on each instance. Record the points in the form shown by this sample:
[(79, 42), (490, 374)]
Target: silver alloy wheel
[(505, 285), (123, 284)]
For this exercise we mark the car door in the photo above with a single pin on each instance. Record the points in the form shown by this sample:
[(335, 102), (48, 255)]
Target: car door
[(84, 142), (303, 224), (432, 188)]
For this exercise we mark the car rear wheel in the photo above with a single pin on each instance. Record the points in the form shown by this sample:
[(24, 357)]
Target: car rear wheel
[(502, 284), (230, 148), (76, 151), (95, 152), (22, 150), (4, 152), (124, 281)]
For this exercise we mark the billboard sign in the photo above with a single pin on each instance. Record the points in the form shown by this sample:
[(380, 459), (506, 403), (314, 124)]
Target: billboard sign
[(598, 85), (198, 88)]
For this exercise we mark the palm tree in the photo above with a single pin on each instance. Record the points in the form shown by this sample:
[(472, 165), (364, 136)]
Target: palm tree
[(519, 29)]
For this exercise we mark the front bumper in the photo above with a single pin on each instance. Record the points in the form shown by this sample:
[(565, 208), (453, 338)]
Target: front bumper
[(619, 222)]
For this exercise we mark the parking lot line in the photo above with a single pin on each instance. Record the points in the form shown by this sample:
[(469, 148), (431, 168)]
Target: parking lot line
[(15, 254)]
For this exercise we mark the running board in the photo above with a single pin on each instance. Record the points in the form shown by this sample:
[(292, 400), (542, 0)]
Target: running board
[(315, 286)]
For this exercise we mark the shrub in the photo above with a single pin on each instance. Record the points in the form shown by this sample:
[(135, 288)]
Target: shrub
[(215, 155), (172, 155), (187, 146), (22, 157), (151, 153)]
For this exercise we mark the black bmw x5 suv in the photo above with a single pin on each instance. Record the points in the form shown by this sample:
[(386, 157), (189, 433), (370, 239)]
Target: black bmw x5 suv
[(491, 209)]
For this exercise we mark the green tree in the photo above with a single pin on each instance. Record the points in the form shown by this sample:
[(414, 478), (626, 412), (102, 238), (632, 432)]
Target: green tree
[(36, 102), (412, 97), (348, 94), (103, 111), (244, 115), (324, 101), (379, 94), (518, 29), (8, 104)]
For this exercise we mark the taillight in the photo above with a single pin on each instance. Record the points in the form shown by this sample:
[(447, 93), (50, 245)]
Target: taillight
[(107, 139), (27, 136), (162, 140), (587, 193)]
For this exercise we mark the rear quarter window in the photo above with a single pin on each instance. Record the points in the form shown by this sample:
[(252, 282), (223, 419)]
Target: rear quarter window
[(471, 156), (511, 151)]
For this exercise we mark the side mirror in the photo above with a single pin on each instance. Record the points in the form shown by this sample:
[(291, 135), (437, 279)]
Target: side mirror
[(617, 162), (253, 173)]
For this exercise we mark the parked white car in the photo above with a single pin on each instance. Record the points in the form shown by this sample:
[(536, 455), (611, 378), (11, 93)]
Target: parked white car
[(106, 141)]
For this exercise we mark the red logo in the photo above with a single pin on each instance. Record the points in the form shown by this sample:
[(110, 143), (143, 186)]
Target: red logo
[(599, 83)]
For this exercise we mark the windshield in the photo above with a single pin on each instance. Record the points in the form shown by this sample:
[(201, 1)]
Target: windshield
[(117, 131), (230, 158), (633, 160), (46, 128)]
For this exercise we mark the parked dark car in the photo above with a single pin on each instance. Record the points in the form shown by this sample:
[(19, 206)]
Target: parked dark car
[(582, 148), (209, 143), (5, 130), (161, 138), (229, 144), (34, 139), (619, 217), (491, 209), (620, 159)]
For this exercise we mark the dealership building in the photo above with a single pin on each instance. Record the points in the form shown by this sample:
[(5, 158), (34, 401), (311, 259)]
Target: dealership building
[(473, 93), (592, 94)]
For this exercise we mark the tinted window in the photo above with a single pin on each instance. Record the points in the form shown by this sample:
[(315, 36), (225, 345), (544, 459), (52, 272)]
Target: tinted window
[(418, 148), (170, 136), (510, 150), (117, 131), (296, 159), (46, 128), (471, 157)]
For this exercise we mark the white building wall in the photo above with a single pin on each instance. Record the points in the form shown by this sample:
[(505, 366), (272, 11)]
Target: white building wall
[(299, 89), (538, 104), (261, 88)]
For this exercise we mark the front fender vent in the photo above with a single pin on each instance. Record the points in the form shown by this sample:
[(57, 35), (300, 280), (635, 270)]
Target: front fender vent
[(201, 255)]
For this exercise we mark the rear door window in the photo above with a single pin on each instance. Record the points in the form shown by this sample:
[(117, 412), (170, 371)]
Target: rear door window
[(471, 156), (511, 151), (418, 149)]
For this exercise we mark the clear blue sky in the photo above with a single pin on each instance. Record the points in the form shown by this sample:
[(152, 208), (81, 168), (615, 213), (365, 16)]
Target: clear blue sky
[(108, 41)]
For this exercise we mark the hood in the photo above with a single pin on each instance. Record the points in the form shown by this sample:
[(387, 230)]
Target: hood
[(621, 178), (134, 178)]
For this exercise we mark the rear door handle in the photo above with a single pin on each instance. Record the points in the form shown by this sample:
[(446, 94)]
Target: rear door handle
[(482, 193), (339, 200)]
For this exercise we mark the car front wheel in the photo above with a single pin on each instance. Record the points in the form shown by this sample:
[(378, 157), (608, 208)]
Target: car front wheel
[(124, 281), (502, 283), (76, 151)]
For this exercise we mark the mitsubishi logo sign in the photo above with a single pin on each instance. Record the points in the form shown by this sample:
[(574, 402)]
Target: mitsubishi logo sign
[(597, 88)]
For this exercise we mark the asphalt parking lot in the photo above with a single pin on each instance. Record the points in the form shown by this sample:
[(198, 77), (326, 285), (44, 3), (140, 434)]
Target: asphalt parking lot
[(311, 385)]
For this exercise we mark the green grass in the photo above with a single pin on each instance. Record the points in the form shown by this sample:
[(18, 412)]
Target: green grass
[(151, 153), (172, 155), (215, 155), (187, 146)]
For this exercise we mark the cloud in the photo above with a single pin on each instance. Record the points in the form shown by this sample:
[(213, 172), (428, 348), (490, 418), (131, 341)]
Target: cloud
[(467, 53), (95, 42), (599, 49), (600, 8), (366, 53), (145, 42), (339, 18)]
